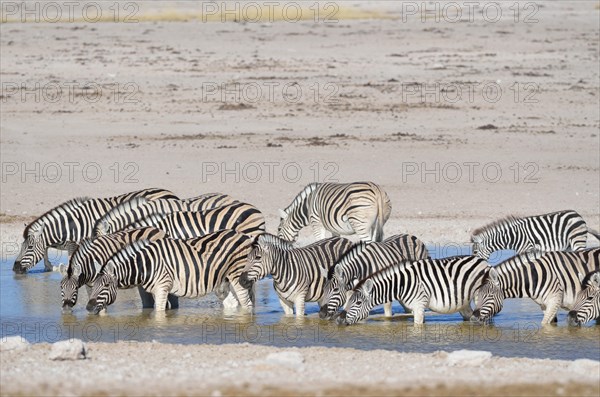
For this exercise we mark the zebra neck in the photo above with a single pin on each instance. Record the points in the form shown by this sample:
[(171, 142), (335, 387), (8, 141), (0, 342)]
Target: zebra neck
[(277, 273), (389, 286), (299, 212)]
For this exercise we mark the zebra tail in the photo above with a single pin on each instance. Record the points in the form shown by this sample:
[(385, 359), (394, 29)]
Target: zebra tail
[(594, 233), (384, 203)]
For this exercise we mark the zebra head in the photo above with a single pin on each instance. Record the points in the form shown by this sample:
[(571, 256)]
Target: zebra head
[(287, 230), (359, 304), (489, 298), (587, 302), (32, 249), (481, 247), (69, 286), (260, 263), (104, 289), (334, 294)]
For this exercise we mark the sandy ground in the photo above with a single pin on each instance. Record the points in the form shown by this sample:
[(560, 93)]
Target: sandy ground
[(238, 370), (461, 122)]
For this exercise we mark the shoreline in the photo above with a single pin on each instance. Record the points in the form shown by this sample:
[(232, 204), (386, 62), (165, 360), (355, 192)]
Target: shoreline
[(253, 370)]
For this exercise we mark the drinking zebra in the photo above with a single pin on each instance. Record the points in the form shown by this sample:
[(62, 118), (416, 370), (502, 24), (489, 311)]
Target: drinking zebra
[(185, 268), (64, 226), (241, 217), (360, 208), (550, 279), (556, 231), (442, 285), (85, 263), (363, 260), (298, 273), (587, 302)]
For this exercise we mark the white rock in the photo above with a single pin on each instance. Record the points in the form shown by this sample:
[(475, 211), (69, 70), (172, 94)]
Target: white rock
[(13, 343), (288, 359), (470, 358), (73, 349)]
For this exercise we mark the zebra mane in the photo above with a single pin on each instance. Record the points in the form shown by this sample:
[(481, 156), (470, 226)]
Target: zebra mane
[(586, 282), (66, 206), (497, 224), (270, 239), (385, 270), (101, 224), (301, 197)]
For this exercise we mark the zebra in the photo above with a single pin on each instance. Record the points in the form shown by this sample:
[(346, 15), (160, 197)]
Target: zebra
[(185, 268), (443, 285), (132, 211), (65, 225), (550, 279), (556, 231), (587, 302), (360, 208), (241, 217), (298, 273), (365, 259), (86, 261)]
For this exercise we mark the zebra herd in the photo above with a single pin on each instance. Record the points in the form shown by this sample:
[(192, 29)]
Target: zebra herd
[(170, 248)]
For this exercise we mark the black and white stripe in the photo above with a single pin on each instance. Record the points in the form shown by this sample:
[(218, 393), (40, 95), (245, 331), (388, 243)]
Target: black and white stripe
[(64, 226), (298, 273), (556, 231), (184, 268), (87, 260), (127, 214), (363, 260), (587, 302), (241, 217), (442, 285), (550, 279), (360, 208)]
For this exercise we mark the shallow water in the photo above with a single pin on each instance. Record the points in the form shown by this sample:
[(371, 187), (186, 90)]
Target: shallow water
[(30, 306)]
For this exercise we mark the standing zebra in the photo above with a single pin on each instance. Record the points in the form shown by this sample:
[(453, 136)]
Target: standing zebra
[(64, 226), (298, 273), (360, 208), (557, 231), (442, 285), (587, 302), (241, 217), (363, 260), (185, 268), (85, 263), (551, 280), (127, 214)]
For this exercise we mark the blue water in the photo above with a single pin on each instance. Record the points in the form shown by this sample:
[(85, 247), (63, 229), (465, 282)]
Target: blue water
[(30, 307)]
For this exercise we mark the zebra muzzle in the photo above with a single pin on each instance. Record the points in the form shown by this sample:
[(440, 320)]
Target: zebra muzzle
[(17, 268), (324, 313), (341, 319), (572, 319), (93, 306), (245, 282)]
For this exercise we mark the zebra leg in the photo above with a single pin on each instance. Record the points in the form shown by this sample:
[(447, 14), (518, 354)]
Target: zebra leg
[(172, 301), (299, 303), (47, 264), (419, 313), (147, 298), (288, 307), (387, 309), (551, 309), (466, 312), (160, 300), (242, 294)]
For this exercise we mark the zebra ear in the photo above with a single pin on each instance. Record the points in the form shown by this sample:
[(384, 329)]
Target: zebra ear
[(97, 266), (324, 272), (282, 214), (595, 280), (355, 282), (38, 232), (338, 273), (103, 228), (477, 239), (580, 276), (109, 268), (76, 271), (493, 275), (367, 286), (62, 268)]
